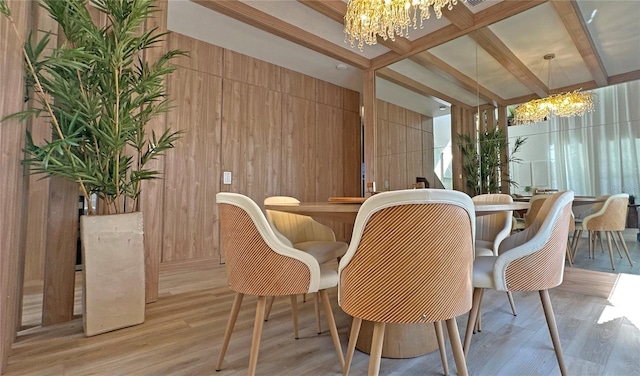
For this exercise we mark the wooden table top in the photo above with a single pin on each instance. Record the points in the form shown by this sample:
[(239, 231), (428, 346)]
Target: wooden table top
[(577, 200), (347, 212)]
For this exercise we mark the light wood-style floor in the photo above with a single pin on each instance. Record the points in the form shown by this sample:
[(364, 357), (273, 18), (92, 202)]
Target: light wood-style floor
[(598, 318)]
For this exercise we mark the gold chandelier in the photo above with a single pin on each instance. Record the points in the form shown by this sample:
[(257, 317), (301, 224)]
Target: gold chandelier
[(574, 103), (367, 19)]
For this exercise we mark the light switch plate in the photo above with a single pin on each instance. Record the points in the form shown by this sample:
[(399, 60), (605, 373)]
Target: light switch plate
[(226, 177)]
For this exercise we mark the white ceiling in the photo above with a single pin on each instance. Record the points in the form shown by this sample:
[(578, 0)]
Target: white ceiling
[(512, 74)]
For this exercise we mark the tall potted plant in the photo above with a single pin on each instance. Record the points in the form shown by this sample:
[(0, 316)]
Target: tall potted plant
[(99, 94), (482, 162)]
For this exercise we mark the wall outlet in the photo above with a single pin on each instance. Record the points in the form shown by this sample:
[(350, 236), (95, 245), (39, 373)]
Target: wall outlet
[(226, 177)]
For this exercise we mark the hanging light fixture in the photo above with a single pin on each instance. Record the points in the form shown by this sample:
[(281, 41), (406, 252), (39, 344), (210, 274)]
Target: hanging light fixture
[(574, 103), (367, 19)]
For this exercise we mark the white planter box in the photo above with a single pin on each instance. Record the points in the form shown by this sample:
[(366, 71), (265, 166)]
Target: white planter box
[(113, 270)]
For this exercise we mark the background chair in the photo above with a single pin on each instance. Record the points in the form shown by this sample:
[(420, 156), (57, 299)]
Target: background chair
[(409, 261), (303, 233), (259, 263), (610, 218), (530, 260), (492, 229)]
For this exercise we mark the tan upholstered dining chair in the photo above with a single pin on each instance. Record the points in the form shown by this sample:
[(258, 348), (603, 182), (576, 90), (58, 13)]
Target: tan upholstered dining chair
[(492, 229), (409, 261), (259, 263), (530, 260), (304, 233), (609, 217)]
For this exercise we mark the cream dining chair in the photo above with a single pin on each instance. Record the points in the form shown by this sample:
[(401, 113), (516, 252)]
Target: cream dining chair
[(409, 261), (530, 260), (246, 236), (304, 233), (492, 229), (610, 217)]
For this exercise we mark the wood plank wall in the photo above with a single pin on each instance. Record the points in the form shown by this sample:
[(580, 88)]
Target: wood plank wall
[(279, 132), (14, 181), (404, 147)]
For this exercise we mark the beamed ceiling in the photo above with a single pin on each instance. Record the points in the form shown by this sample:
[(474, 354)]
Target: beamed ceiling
[(479, 53)]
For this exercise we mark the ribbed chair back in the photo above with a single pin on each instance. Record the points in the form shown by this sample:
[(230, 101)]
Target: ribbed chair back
[(611, 215), (412, 264), (409, 261), (544, 268), (249, 259)]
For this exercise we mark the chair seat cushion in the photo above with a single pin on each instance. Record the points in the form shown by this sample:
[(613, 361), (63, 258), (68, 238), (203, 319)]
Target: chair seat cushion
[(323, 251), (328, 277), (484, 248), (483, 272)]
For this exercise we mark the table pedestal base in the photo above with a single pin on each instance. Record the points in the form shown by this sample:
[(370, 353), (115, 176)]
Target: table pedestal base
[(400, 340)]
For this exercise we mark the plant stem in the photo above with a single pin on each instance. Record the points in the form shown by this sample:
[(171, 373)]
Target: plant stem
[(40, 93)]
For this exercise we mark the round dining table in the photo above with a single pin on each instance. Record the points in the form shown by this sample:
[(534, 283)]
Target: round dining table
[(400, 340), (347, 211)]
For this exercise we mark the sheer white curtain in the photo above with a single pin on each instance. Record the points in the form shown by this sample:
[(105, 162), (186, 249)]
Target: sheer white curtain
[(599, 152)]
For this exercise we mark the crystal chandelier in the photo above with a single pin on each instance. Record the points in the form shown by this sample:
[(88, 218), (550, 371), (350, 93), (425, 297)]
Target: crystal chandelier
[(574, 103), (367, 19)]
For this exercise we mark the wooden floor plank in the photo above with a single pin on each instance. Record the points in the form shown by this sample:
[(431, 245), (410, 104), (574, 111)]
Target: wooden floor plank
[(183, 331)]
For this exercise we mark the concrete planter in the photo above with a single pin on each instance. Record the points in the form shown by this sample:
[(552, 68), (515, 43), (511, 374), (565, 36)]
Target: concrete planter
[(113, 270)]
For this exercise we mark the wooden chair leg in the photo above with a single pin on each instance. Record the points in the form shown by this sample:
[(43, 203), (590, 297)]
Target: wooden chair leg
[(624, 246), (294, 314), (328, 313), (443, 350), (576, 243), (608, 234), (553, 329), (569, 253), (456, 347), (478, 327), (233, 315), (512, 303), (473, 316), (257, 334), (268, 307), (351, 347), (615, 243), (592, 244), (376, 348), (316, 304)]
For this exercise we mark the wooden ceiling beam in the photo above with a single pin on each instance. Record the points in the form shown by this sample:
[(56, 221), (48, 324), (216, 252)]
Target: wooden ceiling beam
[(446, 71), (488, 41), (417, 87), (577, 29), (253, 17), (336, 9), (483, 18)]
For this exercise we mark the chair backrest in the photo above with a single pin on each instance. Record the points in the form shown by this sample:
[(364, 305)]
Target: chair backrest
[(410, 258), (611, 216), (257, 262), (297, 228), (534, 258), (493, 227), (535, 203)]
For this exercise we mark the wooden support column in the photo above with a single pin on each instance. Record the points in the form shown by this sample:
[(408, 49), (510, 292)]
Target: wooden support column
[(505, 173), (152, 196), (369, 103), (60, 255), (14, 182)]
